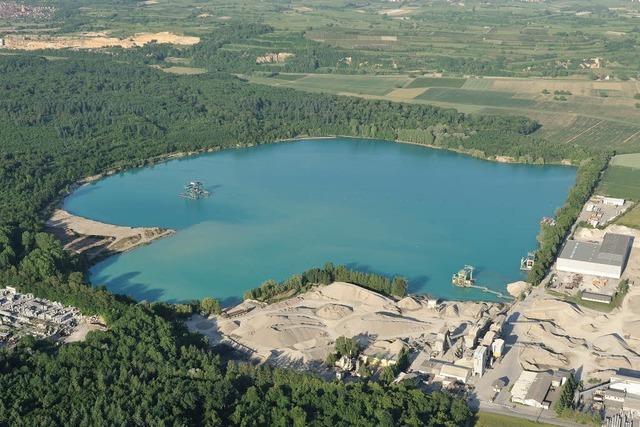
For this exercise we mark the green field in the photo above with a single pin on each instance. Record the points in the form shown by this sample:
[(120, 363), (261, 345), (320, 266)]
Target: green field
[(621, 181), (288, 77), (485, 419), (627, 160), (631, 218), (478, 84), (359, 85), (475, 97), (435, 82)]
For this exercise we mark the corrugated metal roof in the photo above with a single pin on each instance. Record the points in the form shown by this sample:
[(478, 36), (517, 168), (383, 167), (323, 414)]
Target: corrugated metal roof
[(613, 250), (592, 296), (539, 388)]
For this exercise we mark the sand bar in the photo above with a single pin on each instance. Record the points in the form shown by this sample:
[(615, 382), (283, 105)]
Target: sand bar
[(96, 239)]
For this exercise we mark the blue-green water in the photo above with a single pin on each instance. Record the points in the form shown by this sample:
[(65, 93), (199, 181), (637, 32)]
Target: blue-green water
[(280, 209)]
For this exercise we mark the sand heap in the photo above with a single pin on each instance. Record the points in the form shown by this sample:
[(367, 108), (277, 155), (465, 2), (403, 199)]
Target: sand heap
[(409, 304), (557, 334), (516, 289), (597, 235), (333, 311), (304, 328)]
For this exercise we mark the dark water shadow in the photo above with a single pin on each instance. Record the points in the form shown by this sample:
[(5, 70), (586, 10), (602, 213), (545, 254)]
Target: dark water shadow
[(230, 301), (418, 283), (125, 284)]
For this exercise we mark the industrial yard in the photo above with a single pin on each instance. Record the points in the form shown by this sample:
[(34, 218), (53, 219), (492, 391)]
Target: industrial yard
[(504, 358), (24, 315)]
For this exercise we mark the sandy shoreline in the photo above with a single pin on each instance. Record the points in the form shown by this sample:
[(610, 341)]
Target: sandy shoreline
[(97, 240)]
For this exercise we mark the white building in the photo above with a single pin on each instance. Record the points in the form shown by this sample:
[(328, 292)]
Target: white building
[(531, 389), (480, 356), (497, 348), (607, 259), (627, 381), (451, 373), (613, 201)]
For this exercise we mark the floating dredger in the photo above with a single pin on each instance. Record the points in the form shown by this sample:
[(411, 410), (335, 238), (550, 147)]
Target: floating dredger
[(194, 190)]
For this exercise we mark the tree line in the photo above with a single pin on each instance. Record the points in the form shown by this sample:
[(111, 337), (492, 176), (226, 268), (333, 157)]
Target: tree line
[(272, 291), (551, 237)]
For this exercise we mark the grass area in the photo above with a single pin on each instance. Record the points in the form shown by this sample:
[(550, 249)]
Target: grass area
[(190, 71), (616, 301), (486, 419), (478, 84), (288, 77), (435, 82), (475, 97), (364, 85), (627, 160), (631, 218), (621, 181)]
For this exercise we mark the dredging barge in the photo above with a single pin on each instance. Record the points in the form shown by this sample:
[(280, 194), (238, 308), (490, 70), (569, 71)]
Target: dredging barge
[(464, 279), (194, 191)]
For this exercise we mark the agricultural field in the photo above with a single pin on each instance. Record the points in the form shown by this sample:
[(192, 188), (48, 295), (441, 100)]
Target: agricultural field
[(478, 84), (582, 120), (627, 160), (508, 38), (475, 97), (631, 218), (621, 181), (436, 82), (358, 85)]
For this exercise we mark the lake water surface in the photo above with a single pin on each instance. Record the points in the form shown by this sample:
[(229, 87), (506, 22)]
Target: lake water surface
[(280, 209)]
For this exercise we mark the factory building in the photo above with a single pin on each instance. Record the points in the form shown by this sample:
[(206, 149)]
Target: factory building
[(607, 259), (480, 357), (627, 381), (531, 389)]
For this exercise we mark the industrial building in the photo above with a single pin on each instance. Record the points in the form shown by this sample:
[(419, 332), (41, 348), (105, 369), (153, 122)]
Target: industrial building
[(450, 373), (627, 381), (480, 357), (624, 392), (531, 389), (607, 259)]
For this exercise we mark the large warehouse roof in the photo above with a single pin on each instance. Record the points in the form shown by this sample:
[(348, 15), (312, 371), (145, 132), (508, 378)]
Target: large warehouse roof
[(612, 251)]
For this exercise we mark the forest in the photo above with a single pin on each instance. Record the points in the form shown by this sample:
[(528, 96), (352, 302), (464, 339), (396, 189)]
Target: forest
[(67, 119)]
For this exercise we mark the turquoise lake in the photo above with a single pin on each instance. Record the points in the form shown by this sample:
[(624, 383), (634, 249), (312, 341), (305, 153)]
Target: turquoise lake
[(279, 209)]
